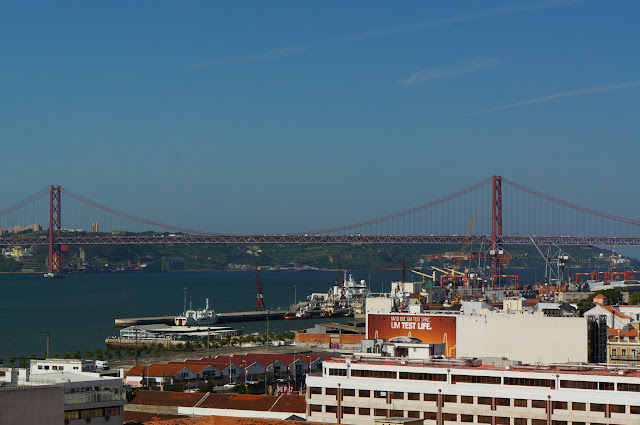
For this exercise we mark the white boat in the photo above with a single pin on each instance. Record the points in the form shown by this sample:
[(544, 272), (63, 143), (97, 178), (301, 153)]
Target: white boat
[(203, 317), (54, 275)]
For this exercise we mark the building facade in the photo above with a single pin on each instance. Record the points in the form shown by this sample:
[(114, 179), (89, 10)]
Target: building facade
[(358, 390)]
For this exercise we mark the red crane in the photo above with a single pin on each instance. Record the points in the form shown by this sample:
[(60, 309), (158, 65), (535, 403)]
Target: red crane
[(260, 303)]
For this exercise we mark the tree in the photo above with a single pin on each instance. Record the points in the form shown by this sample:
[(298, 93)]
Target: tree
[(613, 297), (634, 299), (66, 355), (12, 360), (1, 361), (108, 354), (240, 388), (88, 354), (207, 387), (56, 355), (118, 354), (99, 354), (77, 354)]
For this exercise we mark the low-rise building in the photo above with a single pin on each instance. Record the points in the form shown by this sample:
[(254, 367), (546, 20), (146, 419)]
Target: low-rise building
[(360, 389), (81, 397)]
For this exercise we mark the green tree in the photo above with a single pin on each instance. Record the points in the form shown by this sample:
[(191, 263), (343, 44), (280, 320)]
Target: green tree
[(207, 387), (1, 361), (240, 388), (56, 355), (634, 299), (108, 354), (613, 297), (88, 354), (12, 360), (118, 354), (99, 354), (66, 355), (33, 356), (77, 354)]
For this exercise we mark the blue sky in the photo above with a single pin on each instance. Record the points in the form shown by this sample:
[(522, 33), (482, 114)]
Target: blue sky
[(286, 116)]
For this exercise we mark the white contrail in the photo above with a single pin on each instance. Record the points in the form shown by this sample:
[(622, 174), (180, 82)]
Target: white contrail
[(460, 68), (414, 26), (558, 96)]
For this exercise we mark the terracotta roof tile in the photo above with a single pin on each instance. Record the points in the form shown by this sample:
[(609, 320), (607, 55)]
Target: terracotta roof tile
[(156, 369), (230, 420), (285, 403), (134, 418), (166, 398), (615, 312)]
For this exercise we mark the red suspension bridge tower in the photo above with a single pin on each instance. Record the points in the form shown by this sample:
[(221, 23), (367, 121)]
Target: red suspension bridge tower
[(55, 255)]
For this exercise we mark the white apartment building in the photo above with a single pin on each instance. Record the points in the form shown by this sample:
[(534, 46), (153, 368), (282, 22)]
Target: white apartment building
[(362, 389)]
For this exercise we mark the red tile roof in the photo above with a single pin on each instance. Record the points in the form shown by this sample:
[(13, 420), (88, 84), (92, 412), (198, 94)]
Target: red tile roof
[(156, 369), (166, 398), (621, 333), (191, 364), (615, 312), (135, 418), (266, 403), (230, 420)]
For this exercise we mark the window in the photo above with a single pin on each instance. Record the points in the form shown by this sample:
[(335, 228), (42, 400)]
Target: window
[(397, 396), (331, 391), (629, 387), (503, 402), (473, 379), (111, 411), (373, 374), (338, 372), (316, 408), (614, 352), (538, 422), (423, 376), (578, 423), (539, 404), (413, 414), (484, 400), (364, 411), (607, 386), (623, 352), (559, 422), (364, 393), (519, 402), (617, 408), (633, 352), (451, 417), (380, 394), (450, 398), (596, 407), (348, 410), (466, 399), (484, 419), (466, 418), (430, 415), (519, 421), (349, 392), (635, 410), (380, 412), (501, 420), (430, 397), (40, 366), (331, 409), (73, 414), (413, 396), (529, 382), (560, 405), (578, 406), (396, 413), (315, 390)]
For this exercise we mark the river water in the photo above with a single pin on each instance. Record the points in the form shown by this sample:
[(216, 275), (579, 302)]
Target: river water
[(79, 311)]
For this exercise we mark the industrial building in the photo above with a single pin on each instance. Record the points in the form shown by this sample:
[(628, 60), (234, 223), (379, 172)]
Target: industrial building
[(363, 388)]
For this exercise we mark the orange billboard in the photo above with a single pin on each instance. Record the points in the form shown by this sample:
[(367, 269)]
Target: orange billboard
[(426, 327)]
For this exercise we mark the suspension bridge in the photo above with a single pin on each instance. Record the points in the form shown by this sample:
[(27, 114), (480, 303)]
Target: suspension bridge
[(507, 213)]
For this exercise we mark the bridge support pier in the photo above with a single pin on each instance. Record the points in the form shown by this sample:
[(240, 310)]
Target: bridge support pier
[(55, 255)]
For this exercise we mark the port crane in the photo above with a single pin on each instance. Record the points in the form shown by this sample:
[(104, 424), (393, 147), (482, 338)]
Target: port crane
[(429, 285)]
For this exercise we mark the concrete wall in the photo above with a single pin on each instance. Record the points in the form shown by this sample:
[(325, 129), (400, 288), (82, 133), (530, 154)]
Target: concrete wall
[(530, 338), (32, 406)]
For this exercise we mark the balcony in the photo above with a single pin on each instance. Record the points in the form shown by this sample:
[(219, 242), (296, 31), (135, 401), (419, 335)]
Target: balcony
[(92, 397)]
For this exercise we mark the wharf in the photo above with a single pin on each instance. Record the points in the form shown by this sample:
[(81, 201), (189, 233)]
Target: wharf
[(240, 316)]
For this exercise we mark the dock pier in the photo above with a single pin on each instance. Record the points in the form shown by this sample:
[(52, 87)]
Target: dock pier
[(241, 316)]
